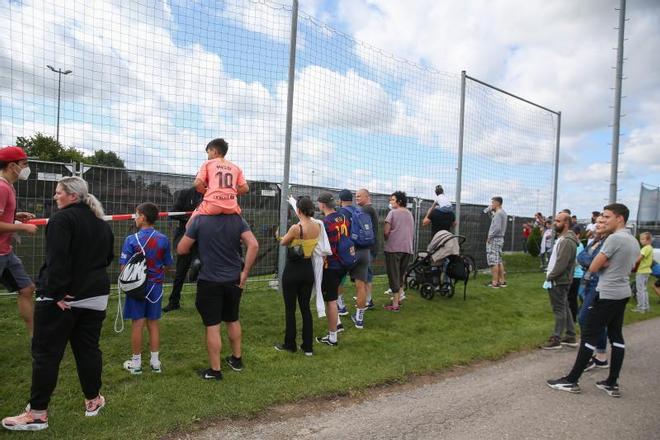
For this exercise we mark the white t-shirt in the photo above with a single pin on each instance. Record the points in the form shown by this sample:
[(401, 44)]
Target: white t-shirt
[(442, 201)]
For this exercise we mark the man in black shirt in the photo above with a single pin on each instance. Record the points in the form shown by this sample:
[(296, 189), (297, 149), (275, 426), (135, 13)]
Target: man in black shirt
[(439, 221), (363, 199), (187, 200)]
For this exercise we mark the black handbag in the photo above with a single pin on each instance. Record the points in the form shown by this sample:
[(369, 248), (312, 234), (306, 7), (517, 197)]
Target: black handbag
[(296, 252)]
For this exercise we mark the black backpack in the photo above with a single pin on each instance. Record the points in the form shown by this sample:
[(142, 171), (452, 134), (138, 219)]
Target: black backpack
[(458, 269)]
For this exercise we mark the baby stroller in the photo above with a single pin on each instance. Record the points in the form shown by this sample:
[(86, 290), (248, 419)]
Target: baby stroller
[(437, 270)]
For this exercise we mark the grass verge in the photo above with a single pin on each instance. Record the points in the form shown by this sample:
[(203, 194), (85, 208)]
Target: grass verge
[(426, 336)]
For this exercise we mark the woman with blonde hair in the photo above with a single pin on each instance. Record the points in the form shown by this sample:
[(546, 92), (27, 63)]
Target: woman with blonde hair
[(72, 296)]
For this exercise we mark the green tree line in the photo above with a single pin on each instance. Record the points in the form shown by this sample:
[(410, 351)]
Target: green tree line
[(44, 147)]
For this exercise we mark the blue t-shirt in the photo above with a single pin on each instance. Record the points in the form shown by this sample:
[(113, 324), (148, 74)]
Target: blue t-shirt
[(157, 252), (219, 241)]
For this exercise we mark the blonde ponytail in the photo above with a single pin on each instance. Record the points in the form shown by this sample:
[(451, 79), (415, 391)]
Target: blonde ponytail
[(76, 185)]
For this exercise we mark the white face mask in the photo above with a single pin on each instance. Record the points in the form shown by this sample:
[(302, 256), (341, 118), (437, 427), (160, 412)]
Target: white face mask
[(389, 205), (24, 174)]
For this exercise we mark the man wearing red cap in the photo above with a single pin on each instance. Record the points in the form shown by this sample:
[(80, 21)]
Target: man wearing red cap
[(13, 167)]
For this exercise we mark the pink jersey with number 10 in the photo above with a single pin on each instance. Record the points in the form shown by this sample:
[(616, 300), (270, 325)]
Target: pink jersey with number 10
[(222, 179)]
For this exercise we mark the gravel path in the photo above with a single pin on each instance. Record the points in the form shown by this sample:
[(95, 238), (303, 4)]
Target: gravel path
[(502, 400)]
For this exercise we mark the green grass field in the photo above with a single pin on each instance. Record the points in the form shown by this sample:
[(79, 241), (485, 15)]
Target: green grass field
[(426, 336)]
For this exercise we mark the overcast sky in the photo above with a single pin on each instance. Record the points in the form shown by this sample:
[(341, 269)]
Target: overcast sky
[(558, 53), (155, 80)]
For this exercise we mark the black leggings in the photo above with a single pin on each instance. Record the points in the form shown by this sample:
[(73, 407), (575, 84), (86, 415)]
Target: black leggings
[(53, 328), (297, 283), (604, 313)]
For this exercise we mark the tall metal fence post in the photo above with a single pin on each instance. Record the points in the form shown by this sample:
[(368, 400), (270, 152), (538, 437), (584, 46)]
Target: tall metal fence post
[(418, 203), (459, 163), (513, 233), (284, 193), (616, 131), (556, 172)]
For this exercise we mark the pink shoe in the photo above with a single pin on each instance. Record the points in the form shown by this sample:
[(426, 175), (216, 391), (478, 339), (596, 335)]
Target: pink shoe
[(26, 421), (92, 407), (391, 308)]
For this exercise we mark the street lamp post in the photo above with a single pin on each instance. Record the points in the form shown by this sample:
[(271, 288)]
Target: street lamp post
[(59, 72)]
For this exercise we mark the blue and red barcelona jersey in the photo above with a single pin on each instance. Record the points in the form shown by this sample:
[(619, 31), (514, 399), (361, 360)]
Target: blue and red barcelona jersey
[(157, 252), (335, 225)]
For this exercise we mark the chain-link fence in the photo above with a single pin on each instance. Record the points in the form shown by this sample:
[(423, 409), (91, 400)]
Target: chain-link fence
[(154, 82), (121, 190), (648, 213)]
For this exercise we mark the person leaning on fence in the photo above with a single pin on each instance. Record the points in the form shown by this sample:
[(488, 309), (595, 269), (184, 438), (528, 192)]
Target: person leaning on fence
[(156, 250), (72, 297), (360, 272), (298, 277), (221, 182), (13, 167), (495, 242), (399, 231), (558, 280), (221, 281), (187, 200), (333, 272), (363, 199), (614, 262), (644, 262)]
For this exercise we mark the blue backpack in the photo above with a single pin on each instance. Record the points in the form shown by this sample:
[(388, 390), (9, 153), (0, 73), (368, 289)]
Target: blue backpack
[(345, 248), (362, 230)]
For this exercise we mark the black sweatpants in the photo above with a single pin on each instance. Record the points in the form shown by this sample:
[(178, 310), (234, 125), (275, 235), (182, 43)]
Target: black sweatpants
[(602, 313), (53, 328), (183, 263), (297, 283)]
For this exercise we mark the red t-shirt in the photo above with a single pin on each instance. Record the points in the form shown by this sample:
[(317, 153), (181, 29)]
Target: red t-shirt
[(7, 213)]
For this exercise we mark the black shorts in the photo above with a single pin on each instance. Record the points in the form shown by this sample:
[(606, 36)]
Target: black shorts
[(330, 284), (218, 302)]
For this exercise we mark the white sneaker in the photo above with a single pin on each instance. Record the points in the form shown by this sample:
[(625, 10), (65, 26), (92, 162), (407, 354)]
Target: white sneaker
[(388, 292), (402, 296), (155, 367), (131, 368)]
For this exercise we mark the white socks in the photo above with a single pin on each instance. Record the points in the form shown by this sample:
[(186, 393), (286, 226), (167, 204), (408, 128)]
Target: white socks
[(332, 336), (136, 360)]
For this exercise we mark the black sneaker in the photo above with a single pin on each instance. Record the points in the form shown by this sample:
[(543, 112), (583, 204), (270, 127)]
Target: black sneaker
[(234, 363), (611, 390), (307, 352), (595, 363), (340, 328), (210, 374), (564, 385), (171, 307), (326, 340), (281, 347)]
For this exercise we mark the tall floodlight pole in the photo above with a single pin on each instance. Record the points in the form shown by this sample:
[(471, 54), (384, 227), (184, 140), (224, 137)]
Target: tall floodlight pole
[(284, 193), (59, 72), (617, 104)]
